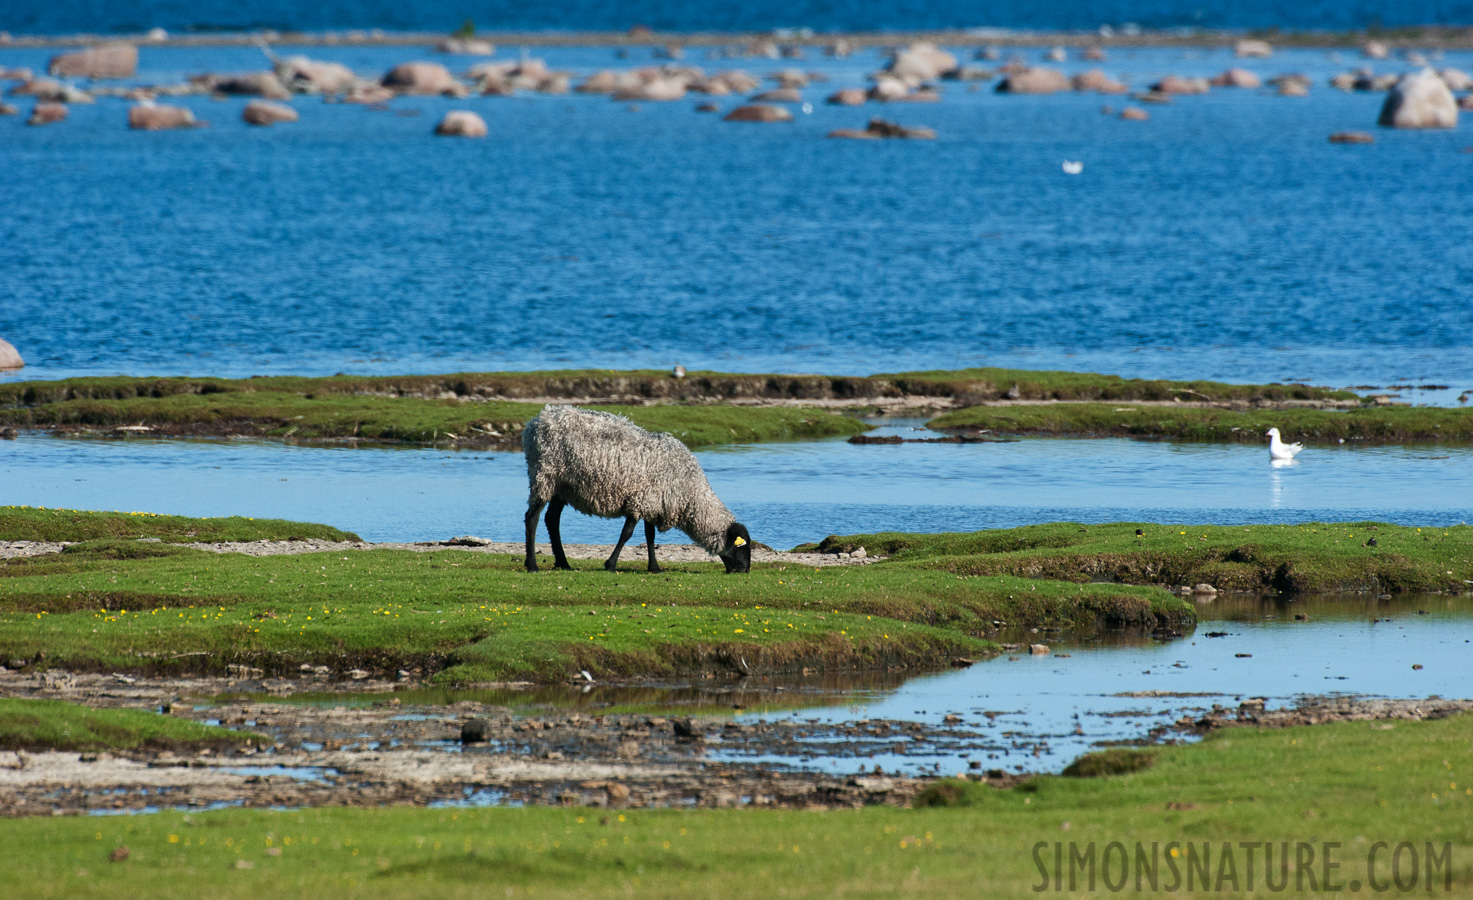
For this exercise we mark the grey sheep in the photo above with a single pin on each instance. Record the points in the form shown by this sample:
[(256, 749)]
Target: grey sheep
[(604, 465)]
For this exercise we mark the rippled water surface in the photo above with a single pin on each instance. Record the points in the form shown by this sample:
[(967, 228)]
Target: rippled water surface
[(1225, 238), (92, 16), (785, 493)]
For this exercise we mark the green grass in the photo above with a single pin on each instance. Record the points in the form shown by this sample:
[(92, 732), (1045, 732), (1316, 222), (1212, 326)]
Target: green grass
[(55, 725), (1383, 424), (1356, 784), (26, 523), (1309, 558), (265, 408), (473, 406), (479, 617)]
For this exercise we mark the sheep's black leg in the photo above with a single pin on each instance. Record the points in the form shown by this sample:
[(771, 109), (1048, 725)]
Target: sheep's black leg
[(649, 538), (554, 532), (623, 539), (533, 508)]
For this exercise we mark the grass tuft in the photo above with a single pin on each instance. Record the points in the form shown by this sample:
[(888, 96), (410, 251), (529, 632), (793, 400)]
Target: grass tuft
[(1110, 762), (37, 523), (38, 725)]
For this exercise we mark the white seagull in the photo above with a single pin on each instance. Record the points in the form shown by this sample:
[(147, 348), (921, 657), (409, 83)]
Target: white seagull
[(1277, 449), (1071, 167)]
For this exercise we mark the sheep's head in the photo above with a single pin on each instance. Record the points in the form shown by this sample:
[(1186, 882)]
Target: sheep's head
[(737, 552)]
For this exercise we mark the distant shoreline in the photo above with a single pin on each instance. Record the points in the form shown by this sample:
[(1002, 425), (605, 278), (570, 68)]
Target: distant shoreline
[(1409, 37)]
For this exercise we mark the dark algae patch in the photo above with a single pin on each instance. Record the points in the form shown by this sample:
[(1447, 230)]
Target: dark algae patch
[(57, 725), (1312, 558)]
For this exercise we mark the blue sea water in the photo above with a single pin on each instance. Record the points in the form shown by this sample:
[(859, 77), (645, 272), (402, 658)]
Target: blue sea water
[(786, 494), (61, 16), (1225, 238)]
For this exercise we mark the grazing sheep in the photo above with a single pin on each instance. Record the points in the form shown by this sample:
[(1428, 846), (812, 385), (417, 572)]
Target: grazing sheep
[(604, 465)]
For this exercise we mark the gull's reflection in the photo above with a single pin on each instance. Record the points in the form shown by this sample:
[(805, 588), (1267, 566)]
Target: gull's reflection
[(1276, 481)]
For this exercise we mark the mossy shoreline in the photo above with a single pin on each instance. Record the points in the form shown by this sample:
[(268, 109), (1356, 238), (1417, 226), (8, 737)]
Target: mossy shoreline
[(1364, 425), (488, 409), (1308, 558)]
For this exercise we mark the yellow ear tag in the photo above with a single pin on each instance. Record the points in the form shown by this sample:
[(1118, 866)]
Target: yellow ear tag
[(741, 542)]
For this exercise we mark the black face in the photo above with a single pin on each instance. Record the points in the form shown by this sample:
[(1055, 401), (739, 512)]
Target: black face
[(738, 551)]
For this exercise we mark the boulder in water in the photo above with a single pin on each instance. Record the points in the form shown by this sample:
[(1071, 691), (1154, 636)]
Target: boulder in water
[(160, 117), (781, 95), (1419, 100), (421, 78), (1237, 78), (659, 90), (1175, 84), (1039, 80), (879, 129), (461, 123), (791, 78), (1456, 80), (847, 97), (49, 90), (46, 113), (1096, 80), (264, 112), (102, 61), (1252, 48), (920, 62), (758, 112), (311, 76), (887, 89), (9, 356), (251, 84)]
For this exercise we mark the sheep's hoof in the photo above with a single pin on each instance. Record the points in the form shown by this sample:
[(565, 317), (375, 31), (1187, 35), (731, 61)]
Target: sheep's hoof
[(531, 565), (564, 566), (655, 570)]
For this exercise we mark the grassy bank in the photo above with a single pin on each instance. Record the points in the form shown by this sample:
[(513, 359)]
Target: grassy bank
[(26, 523), (1355, 785), (1309, 558), (346, 409), (489, 408), (968, 385), (1383, 424), (37, 725), (126, 605)]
